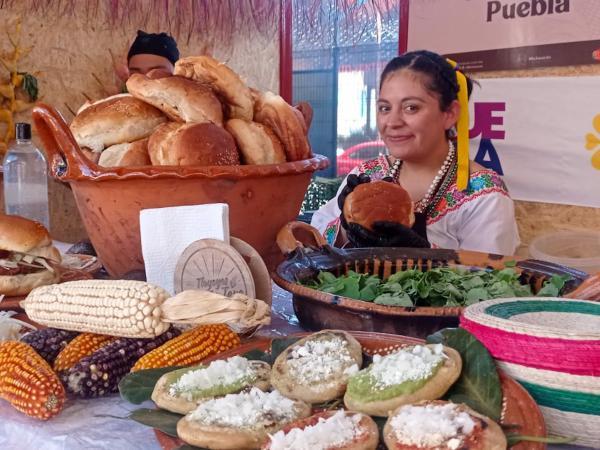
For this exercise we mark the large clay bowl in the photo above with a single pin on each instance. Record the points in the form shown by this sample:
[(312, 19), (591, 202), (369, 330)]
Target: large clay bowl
[(307, 253), (261, 199)]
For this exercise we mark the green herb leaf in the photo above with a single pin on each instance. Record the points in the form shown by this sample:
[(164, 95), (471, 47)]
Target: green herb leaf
[(399, 299), (160, 419), (479, 384), (279, 345), (137, 387), (258, 355), (553, 286)]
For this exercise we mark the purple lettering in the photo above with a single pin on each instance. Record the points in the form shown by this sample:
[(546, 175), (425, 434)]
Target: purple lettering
[(485, 120)]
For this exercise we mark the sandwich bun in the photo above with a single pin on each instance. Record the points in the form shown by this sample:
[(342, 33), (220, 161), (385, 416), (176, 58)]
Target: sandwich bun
[(192, 144), (125, 155), (115, 120), (21, 235), (181, 99), (257, 143), (379, 201)]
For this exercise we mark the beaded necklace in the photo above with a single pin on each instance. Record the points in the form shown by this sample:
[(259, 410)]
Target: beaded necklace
[(439, 184)]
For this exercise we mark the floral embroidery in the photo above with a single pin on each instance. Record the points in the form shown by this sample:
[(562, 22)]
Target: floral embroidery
[(376, 168), (482, 182), (331, 231)]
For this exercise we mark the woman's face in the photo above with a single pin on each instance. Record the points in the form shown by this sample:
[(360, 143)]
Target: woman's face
[(409, 118)]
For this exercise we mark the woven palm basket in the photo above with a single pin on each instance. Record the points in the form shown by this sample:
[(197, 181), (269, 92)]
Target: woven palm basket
[(552, 347)]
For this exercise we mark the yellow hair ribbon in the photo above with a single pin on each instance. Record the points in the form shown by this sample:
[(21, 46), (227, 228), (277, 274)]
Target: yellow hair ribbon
[(462, 130)]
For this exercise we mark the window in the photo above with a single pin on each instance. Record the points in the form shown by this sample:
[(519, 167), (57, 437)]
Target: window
[(339, 49)]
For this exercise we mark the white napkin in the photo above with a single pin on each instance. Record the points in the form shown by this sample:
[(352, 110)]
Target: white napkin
[(167, 232)]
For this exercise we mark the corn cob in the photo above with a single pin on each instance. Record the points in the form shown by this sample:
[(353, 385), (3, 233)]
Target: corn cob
[(124, 308), (48, 342), (190, 348), (99, 374), (28, 382), (83, 345)]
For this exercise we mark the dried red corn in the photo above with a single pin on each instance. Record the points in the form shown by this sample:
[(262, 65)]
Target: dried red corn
[(99, 374), (83, 345), (28, 382), (190, 348)]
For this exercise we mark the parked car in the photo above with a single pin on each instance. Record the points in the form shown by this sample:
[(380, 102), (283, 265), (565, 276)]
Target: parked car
[(353, 156)]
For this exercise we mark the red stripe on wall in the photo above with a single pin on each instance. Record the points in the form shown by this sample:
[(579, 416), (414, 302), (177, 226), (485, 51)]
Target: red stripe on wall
[(285, 50), (403, 32)]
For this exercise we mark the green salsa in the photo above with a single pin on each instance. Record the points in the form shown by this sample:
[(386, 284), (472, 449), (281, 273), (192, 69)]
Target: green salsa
[(363, 386)]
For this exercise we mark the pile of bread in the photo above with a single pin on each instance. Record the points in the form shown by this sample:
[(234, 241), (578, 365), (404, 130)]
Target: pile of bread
[(203, 115)]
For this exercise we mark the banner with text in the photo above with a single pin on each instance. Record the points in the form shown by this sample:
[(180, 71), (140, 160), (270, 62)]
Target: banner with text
[(507, 34), (542, 135)]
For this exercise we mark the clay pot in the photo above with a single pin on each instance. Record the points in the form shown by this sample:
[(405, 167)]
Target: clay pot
[(261, 199)]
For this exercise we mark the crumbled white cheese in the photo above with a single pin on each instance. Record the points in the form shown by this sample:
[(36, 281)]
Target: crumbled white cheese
[(410, 364), (333, 432), (218, 373), (433, 425), (253, 410), (320, 359)]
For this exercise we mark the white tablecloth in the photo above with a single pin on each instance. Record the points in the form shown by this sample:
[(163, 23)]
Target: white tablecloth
[(96, 424)]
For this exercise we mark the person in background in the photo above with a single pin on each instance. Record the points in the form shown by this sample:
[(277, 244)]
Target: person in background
[(422, 117), (151, 51)]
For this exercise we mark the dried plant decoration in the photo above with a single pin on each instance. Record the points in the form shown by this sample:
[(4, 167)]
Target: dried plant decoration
[(17, 89)]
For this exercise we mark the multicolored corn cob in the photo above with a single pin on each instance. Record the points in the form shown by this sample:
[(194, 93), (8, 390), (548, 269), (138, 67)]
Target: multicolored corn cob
[(48, 342), (99, 374), (83, 345)]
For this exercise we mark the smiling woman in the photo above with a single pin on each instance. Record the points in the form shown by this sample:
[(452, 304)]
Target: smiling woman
[(422, 99)]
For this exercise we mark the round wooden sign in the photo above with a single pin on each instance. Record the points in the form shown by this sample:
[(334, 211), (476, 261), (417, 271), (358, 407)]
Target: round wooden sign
[(260, 273), (214, 266)]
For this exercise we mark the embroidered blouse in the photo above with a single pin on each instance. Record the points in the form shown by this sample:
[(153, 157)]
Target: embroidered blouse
[(481, 218)]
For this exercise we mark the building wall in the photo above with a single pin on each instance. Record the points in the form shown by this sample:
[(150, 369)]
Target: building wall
[(72, 55)]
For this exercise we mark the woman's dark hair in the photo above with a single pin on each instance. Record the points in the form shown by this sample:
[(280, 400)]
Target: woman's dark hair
[(441, 76)]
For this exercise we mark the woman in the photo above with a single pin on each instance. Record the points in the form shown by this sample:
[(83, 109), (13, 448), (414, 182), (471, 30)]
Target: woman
[(465, 206)]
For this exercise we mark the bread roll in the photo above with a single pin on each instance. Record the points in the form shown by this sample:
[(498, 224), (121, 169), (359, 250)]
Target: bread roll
[(192, 144), (307, 113), (287, 123), (124, 155), (379, 201), (157, 73), (115, 120), (181, 99), (223, 80), (258, 144)]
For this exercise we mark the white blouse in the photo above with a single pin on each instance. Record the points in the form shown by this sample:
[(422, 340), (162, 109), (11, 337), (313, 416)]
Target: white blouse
[(481, 218)]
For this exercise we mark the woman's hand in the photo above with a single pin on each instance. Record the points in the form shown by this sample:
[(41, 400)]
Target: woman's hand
[(383, 233)]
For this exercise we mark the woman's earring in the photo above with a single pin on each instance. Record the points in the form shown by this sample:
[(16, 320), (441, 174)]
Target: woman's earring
[(451, 133)]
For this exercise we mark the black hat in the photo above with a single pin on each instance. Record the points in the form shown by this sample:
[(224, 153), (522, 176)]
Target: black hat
[(160, 44)]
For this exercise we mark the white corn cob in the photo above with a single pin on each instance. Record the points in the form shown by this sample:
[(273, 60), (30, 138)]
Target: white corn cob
[(124, 308)]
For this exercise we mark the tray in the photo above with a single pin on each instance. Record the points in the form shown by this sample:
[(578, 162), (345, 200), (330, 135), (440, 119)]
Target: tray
[(66, 274), (518, 407), (307, 253)]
